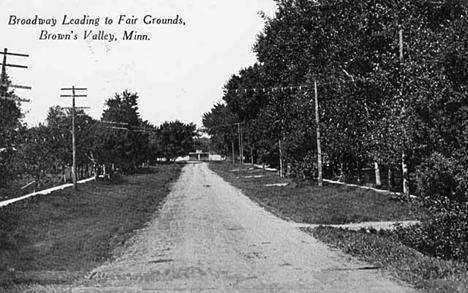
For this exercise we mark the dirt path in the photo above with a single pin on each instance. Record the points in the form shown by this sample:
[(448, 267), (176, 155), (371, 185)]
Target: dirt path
[(208, 237)]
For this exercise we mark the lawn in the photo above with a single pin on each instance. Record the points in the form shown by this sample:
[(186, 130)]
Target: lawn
[(306, 202), (60, 237)]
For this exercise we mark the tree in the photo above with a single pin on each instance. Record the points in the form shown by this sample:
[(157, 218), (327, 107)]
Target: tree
[(125, 148), (47, 148), (376, 102), (36, 153), (10, 123), (175, 139), (219, 125)]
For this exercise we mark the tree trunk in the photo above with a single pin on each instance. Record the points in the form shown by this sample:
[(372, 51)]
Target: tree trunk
[(378, 180), (233, 154), (342, 173), (359, 172), (405, 177), (280, 158), (391, 178), (333, 172)]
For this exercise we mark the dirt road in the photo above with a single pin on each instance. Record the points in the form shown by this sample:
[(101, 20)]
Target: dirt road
[(208, 237)]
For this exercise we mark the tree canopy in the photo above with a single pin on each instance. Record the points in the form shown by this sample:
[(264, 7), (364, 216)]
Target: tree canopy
[(10, 124), (175, 139), (391, 79)]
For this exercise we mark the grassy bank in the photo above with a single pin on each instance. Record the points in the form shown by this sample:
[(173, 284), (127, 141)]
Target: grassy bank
[(58, 238), (308, 203), (336, 204), (383, 250)]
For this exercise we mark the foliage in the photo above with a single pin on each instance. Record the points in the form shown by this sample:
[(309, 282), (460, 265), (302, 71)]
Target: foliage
[(219, 125), (124, 148), (392, 79), (121, 140), (439, 176), (10, 123), (47, 148), (375, 100), (444, 234), (175, 139), (203, 143), (35, 154)]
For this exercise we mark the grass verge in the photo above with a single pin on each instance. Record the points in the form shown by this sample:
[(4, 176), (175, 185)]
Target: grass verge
[(308, 203), (58, 238), (382, 249)]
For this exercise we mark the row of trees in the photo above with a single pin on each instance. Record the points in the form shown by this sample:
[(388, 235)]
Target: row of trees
[(392, 82), (392, 87), (120, 140)]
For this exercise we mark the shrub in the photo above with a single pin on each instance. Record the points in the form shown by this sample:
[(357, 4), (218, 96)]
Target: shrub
[(444, 234), (304, 168), (439, 176), (442, 182)]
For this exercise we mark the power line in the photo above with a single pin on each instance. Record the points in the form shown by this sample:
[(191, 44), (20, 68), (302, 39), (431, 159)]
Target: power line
[(113, 122), (295, 87), (119, 126), (313, 87)]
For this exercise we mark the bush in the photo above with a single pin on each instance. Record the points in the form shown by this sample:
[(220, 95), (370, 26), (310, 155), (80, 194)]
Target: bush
[(444, 234), (442, 182), (304, 168), (439, 176)]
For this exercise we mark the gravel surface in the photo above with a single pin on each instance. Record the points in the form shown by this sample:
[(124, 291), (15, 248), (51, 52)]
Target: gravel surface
[(209, 237)]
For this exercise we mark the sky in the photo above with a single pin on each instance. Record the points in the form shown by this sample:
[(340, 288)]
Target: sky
[(177, 70)]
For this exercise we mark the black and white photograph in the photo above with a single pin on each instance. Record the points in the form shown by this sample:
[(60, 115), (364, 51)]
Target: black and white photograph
[(234, 146)]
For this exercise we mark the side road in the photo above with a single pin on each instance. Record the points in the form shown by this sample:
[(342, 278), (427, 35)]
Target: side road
[(387, 225), (209, 237)]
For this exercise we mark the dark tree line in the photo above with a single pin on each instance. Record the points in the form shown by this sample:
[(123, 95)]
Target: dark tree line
[(120, 140), (392, 84), (391, 79), (10, 122)]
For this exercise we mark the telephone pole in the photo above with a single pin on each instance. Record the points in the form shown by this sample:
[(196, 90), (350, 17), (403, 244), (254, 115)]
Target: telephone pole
[(404, 165), (319, 147), (3, 79), (73, 114), (241, 146), (233, 154)]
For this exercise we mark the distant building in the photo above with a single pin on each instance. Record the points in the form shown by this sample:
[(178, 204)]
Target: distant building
[(199, 155)]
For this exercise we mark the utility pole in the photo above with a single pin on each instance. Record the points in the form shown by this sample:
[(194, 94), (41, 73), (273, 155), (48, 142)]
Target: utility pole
[(3, 79), (319, 147), (233, 154), (241, 146), (280, 148), (73, 114), (404, 165)]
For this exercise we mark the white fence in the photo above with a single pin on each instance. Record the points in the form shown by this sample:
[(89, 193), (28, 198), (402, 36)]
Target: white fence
[(45, 191)]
